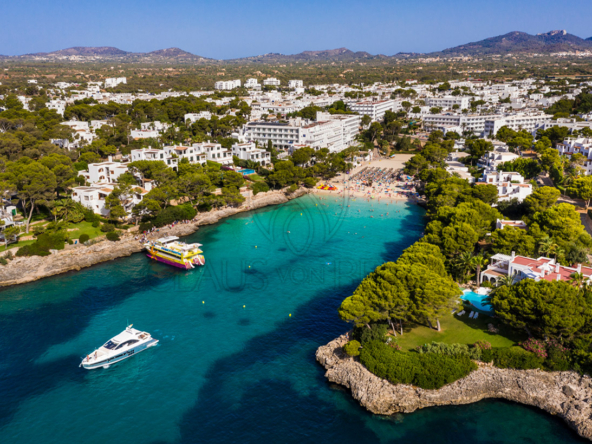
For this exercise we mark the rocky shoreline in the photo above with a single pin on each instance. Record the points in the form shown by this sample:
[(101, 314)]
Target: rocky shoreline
[(565, 394), (28, 269)]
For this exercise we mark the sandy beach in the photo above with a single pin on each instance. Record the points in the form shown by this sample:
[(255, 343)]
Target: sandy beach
[(381, 174)]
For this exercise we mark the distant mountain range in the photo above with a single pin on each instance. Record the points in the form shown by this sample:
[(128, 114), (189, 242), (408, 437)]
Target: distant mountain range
[(521, 42), (512, 42), (339, 54), (109, 52)]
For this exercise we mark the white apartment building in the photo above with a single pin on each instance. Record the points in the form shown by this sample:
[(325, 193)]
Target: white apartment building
[(448, 102), (156, 125), (335, 132), (272, 81), (96, 124), (251, 83), (580, 145), (214, 152), (81, 130), (144, 134), (227, 84), (192, 153), (517, 122), (375, 110), (59, 106), (499, 155), (453, 166), (93, 197), (103, 172), (350, 125), (249, 151), (282, 135), (295, 84), (496, 177), (328, 134), (76, 124), (509, 185), (468, 122), (194, 117), (569, 123), (154, 154), (65, 144), (113, 82)]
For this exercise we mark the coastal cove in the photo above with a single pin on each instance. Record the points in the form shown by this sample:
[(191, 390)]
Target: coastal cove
[(235, 362), (28, 269)]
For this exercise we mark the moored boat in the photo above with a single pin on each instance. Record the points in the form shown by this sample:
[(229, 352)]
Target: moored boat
[(127, 343), (178, 254)]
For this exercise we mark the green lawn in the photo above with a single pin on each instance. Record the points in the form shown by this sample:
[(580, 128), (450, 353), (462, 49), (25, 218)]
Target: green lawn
[(461, 330), (84, 228), (81, 228), (17, 245), (256, 178)]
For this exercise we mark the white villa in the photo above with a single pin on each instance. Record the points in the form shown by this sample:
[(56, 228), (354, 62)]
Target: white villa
[(509, 185), (103, 172), (215, 152), (492, 159), (154, 154), (579, 145), (193, 154), (522, 267), (93, 197), (249, 151)]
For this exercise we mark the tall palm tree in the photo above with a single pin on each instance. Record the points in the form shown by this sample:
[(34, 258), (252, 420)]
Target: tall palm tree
[(577, 279), (64, 207), (463, 263), (545, 245), (478, 262), (504, 281), (557, 251)]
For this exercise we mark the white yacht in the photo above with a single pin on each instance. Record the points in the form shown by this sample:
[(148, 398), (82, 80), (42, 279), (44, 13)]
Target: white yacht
[(125, 344)]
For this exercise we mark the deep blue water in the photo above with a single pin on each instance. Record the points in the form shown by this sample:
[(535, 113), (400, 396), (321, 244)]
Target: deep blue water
[(235, 363)]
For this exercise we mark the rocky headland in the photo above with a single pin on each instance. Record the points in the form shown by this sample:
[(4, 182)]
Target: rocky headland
[(75, 257), (565, 394)]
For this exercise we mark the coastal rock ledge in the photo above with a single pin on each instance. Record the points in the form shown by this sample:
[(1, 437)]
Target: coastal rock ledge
[(565, 394)]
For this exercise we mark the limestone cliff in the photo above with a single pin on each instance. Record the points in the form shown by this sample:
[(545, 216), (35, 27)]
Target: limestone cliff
[(565, 394), (28, 269)]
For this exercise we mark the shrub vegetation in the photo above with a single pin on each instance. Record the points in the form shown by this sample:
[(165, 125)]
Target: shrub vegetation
[(352, 348), (425, 370)]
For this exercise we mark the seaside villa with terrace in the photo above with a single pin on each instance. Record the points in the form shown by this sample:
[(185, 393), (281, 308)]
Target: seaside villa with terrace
[(522, 267)]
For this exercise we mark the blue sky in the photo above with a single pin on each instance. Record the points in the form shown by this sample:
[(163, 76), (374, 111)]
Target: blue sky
[(237, 28)]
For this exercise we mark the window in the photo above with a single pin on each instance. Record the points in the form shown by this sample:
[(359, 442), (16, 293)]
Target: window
[(110, 345), (127, 343)]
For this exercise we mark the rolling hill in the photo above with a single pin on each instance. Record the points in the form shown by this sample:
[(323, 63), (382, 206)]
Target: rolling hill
[(521, 42)]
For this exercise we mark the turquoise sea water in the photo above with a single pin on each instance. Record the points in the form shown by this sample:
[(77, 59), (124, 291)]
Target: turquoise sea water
[(232, 365)]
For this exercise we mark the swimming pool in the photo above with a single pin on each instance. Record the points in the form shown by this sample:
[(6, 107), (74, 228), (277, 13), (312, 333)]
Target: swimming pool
[(246, 172), (476, 300)]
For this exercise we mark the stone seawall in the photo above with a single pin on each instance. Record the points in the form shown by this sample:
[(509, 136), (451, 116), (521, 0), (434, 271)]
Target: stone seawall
[(27, 269), (565, 394)]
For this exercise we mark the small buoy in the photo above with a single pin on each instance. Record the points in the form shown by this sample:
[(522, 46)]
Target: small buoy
[(249, 266), (301, 214), (203, 302), (255, 246), (243, 306), (290, 315)]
